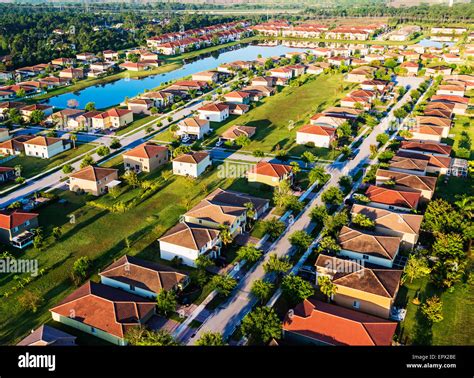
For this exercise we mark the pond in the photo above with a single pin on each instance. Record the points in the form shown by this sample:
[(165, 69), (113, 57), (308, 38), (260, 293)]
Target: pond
[(427, 42), (113, 93)]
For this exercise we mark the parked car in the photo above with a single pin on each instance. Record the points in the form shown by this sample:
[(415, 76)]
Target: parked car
[(219, 143)]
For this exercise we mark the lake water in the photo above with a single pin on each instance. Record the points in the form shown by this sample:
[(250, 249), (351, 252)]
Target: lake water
[(113, 93), (426, 42)]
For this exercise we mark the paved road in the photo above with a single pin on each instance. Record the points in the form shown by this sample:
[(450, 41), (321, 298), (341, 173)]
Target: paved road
[(128, 141), (226, 318)]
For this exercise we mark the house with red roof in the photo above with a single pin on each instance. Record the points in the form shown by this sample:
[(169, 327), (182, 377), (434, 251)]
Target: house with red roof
[(112, 118), (192, 164), (45, 147), (146, 157), (214, 112), (317, 323), (390, 199), (319, 135), (103, 311), (16, 226), (270, 173), (93, 180)]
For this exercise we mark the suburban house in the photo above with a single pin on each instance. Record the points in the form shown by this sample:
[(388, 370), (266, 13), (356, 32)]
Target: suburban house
[(141, 277), (404, 225), (392, 199), (112, 118), (7, 174), (318, 323), (460, 103), (237, 109), (265, 81), (83, 121), (426, 185), (214, 112), (93, 180), (209, 76), (225, 208), (110, 54), (193, 127), (360, 74), (72, 73), (46, 335), (438, 70), (428, 133), (188, 241), (45, 147), (425, 148), (103, 311), (436, 163), (237, 97), (26, 111), (161, 99), (140, 105), (281, 72), (61, 118), (238, 130), (319, 135), (372, 248), (134, 66), (4, 134), (270, 173), (408, 165), (411, 67), (450, 90), (192, 164), (14, 146), (368, 290), (328, 119), (146, 157), (16, 226)]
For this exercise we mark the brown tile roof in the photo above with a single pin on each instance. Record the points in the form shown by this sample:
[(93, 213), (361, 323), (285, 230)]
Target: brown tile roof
[(410, 181), (111, 310), (15, 143), (190, 235), (237, 130), (436, 121), (143, 274), (192, 157), (428, 130), (392, 220), (115, 112), (214, 107), (91, 173), (433, 161), (348, 273), (10, 220), (449, 98), (146, 150), (265, 168), (381, 246), (194, 122), (237, 94), (426, 147), (393, 197), (43, 141), (223, 206), (337, 325), (401, 162)]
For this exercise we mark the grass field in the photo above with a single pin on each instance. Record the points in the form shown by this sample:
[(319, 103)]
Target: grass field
[(457, 328), (295, 104), (31, 166), (103, 237), (463, 131)]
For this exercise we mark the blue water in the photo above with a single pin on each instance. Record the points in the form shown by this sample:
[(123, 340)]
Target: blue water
[(430, 43), (113, 93)]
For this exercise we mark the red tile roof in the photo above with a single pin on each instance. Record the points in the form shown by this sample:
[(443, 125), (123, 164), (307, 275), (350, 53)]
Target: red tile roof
[(265, 168), (146, 150), (318, 130), (393, 197), (14, 219), (337, 325)]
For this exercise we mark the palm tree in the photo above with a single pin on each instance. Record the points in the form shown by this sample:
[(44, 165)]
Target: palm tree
[(225, 235), (326, 287), (465, 205), (251, 213), (73, 140)]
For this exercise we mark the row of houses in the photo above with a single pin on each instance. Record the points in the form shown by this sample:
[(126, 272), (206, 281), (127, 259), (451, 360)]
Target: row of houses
[(365, 271), (311, 30), (436, 121)]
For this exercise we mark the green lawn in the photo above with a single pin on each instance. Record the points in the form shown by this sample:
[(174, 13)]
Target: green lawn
[(457, 327), (297, 104), (103, 237), (463, 131), (140, 120), (32, 166)]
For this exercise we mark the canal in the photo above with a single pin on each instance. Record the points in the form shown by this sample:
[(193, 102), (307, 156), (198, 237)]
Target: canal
[(109, 94)]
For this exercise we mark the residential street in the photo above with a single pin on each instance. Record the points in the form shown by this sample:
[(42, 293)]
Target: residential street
[(226, 318)]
